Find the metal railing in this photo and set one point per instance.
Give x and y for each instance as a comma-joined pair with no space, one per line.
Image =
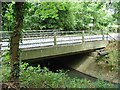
111,37
43,38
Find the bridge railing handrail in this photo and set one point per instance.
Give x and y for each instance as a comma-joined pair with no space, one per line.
33,33
6,34
111,37
55,37
43,33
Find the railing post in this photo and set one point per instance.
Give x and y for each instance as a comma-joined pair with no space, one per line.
102,34
55,39
82,36
0,36
107,36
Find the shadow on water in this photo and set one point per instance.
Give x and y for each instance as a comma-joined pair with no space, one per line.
62,62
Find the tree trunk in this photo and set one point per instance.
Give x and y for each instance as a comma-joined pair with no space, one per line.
14,45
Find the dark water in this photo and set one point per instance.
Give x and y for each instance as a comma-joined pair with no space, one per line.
61,63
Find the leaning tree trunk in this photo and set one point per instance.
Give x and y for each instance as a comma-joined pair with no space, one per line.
14,45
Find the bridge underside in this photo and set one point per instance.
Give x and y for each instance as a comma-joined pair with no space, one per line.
33,53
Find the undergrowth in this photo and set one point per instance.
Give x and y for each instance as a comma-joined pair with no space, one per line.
36,77
113,56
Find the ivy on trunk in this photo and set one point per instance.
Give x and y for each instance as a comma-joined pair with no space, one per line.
14,45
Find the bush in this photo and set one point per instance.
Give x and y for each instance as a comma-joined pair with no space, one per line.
4,71
35,77
113,59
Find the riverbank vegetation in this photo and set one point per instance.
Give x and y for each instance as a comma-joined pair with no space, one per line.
37,77
112,58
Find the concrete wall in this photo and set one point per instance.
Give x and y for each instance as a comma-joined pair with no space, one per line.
33,53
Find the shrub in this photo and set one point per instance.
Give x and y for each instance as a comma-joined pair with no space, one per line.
113,59
43,78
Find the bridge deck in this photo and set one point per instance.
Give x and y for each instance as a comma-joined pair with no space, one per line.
32,53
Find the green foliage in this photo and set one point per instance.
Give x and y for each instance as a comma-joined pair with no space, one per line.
49,15
95,13
5,66
113,59
113,56
66,17
101,84
116,15
8,17
43,78
5,57
36,77
4,71
60,15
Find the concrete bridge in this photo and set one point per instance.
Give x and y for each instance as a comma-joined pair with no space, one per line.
47,52
57,44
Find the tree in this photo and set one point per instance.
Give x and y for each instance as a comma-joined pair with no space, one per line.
116,15
61,15
8,16
116,8
49,15
14,44
94,12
